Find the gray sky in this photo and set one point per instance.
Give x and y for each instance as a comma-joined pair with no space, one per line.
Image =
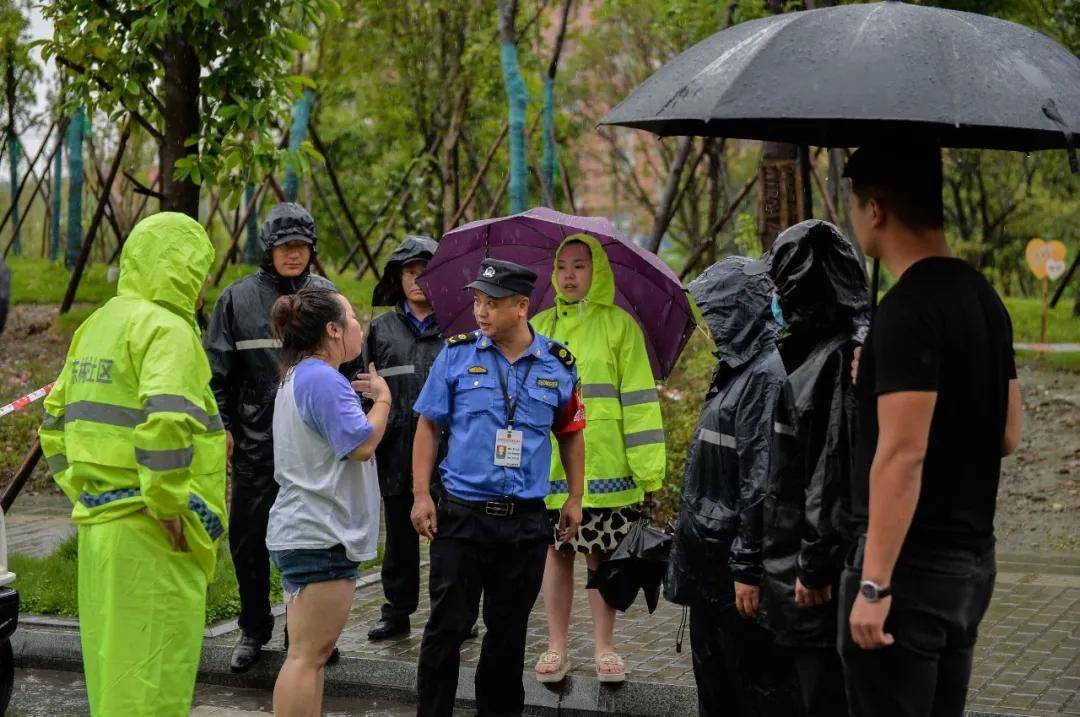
39,29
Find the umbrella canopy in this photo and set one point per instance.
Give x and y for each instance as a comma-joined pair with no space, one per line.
859,74
638,563
645,287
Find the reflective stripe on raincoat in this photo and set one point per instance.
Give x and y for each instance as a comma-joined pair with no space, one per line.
625,455
131,422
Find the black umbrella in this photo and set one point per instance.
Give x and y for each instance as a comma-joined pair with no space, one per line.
637,564
861,74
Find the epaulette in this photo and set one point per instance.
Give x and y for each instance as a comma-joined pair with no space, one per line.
562,353
463,338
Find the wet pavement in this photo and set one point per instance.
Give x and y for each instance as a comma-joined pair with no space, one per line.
38,523
1027,660
51,693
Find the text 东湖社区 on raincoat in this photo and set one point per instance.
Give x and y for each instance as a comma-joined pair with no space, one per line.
133,437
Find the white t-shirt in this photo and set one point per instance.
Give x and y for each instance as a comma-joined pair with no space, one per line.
326,498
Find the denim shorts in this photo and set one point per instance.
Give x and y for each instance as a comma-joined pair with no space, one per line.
301,567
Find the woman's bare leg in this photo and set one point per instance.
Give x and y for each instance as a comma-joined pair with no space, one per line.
315,619
603,615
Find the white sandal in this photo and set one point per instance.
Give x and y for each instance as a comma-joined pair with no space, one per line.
609,660
552,658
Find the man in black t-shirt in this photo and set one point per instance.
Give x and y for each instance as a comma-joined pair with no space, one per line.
939,405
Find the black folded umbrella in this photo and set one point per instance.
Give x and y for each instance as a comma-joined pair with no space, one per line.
637,564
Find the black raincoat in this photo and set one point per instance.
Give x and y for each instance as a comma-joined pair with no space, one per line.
403,356
243,358
822,287
718,536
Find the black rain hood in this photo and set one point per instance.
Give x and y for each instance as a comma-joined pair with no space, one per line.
287,221
820,280
416,247
734,296
718,536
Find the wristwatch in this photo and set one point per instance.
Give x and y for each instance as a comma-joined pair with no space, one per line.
872,592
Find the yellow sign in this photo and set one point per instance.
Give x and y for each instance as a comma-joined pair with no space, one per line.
1046,258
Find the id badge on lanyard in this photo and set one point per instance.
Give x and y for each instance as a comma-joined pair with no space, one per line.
508,442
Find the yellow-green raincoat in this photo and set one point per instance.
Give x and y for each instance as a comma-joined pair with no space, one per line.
624,433
132,435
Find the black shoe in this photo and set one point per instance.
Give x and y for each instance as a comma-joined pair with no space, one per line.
474,631
389,627
245,654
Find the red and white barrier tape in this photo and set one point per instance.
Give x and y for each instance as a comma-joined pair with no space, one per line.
20,403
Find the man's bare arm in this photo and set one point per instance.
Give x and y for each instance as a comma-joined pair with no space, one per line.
896,477
1014,420
425,446
895,481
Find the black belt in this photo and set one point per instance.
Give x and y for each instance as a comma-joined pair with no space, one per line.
499,508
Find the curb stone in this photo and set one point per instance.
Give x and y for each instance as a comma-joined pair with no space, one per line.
58,648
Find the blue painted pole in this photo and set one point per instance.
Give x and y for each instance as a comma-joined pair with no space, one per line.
301,114
75,186
518,97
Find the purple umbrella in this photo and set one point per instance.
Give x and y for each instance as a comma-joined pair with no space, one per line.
644,285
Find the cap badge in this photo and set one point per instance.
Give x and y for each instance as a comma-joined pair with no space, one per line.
489,272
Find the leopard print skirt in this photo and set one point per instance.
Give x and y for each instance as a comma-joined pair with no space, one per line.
601,530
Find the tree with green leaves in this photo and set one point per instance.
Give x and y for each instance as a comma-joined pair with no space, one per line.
207,80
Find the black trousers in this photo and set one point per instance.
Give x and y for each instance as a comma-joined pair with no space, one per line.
502,558
253,494
821,681
401,559
939,598
737,668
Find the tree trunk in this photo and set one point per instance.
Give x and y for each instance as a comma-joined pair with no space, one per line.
301,114
518,97
181,89
448,164
57,189
781,199
10,85
75,186
666,208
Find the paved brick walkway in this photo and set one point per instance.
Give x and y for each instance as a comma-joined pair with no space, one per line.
1027,661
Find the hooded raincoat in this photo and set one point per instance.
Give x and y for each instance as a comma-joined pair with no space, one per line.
402,355
132,435
719,531
243,356
625,454
244,361
823,295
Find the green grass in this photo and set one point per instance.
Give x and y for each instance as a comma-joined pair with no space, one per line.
49,585
1061,325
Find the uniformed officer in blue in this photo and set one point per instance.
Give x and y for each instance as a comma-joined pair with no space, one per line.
502,391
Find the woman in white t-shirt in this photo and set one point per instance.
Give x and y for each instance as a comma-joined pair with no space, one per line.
325,521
